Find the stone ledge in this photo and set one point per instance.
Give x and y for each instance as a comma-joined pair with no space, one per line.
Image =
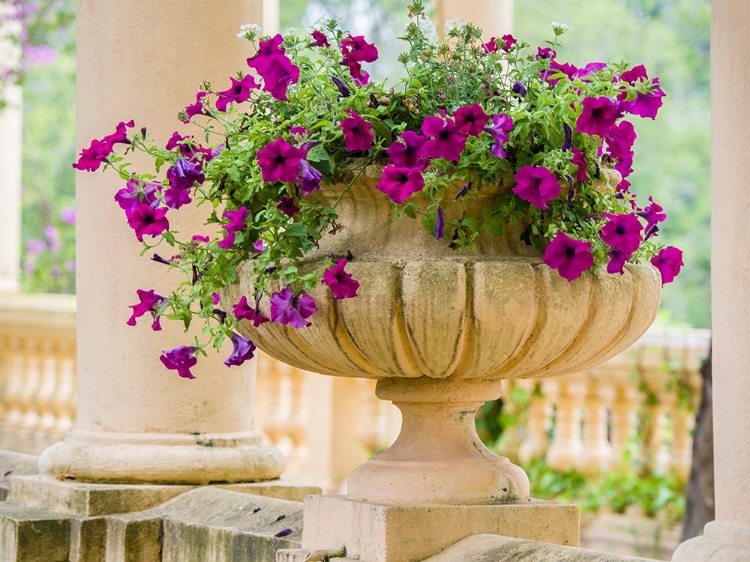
12,464
378,532
493,548
81,498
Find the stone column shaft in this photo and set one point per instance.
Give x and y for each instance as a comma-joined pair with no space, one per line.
137,421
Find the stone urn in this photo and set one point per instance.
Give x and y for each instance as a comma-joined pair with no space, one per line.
439,330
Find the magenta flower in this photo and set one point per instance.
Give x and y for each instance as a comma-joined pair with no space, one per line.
653,214
410,152
568,256
290,309
309,178
620,139
616,262
99,150
238,92
242,350
149,302
471,119
195,108
598,116
178,141
259,246
279,161
182,176
545,53
508,42
320,39
287,206
579,159
135,192
274,67
490,46
243,311
446,141
145,220
341,283
180,359
53,237
357,132
645,104
668,262
236,223
400,183
501,126
569,70
589,69
537,185
622,232
356,48
35,246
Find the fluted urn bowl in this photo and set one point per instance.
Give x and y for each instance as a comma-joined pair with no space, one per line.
439,330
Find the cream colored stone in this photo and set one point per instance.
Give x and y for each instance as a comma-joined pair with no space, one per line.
376,532
136,420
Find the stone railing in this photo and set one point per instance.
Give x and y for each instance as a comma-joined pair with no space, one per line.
37,370
589,420
326,426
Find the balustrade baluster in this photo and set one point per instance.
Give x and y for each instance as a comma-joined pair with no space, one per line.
597,451
566,448
537,441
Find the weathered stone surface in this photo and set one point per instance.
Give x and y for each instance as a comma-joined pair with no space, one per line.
134,537
81,498
33,535
494,548
12,464
378,532
279,489
222,526
88,537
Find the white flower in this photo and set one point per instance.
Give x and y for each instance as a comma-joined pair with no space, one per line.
455,23
290,31
428,30
252,28
559,28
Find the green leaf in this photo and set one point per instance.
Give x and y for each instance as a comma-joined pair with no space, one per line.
317,154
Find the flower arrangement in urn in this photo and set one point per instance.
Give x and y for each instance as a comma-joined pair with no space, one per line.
551,143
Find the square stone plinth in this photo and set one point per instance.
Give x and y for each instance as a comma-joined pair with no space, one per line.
81,498
378,532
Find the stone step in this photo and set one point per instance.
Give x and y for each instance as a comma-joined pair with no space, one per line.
34,535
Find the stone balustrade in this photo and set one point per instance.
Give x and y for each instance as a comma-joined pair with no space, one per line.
326,426
589,420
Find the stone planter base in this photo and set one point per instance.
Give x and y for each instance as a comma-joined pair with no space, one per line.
378,532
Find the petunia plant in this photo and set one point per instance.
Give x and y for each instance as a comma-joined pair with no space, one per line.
470,115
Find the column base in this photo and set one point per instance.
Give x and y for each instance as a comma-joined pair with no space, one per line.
379,532
160,458
722,542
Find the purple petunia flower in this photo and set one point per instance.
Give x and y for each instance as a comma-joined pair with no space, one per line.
668,262
243,350
498,130
35,246
238,92
357,132
568,256
195,108
259,246
341,283
598,116
410,152
182,176
320,39
446,141
356,50
579,159
236,223
568,143
134,192
622,232
99,150
274,67
343,90
180,359
400,183
439,224
537,185
242,311
53,237
519,88
309,178
279,161
616,262
149,302
490,46
644,104
653,214
471,119
290,309
287,206
145,220
620,139
508,42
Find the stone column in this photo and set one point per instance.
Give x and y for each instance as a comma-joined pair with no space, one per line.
10,164
495,17
728,538
138,422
